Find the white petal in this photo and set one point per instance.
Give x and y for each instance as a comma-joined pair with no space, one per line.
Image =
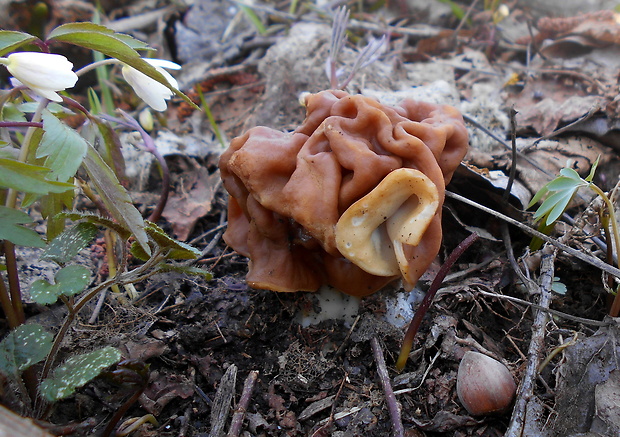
163,63
48,94
152,92
42,70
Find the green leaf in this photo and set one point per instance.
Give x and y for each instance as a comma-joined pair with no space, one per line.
560,206
178,249
570,173
563,183
29,178
547,205
593,169
51,205
110,146
11,40
115,45
54,108
67,32
557,286
63,148
457,11
115,197
10,229
69,281
138,253
77,371
253,18
21,348
186,270
538,196
12,112
68,244
122,231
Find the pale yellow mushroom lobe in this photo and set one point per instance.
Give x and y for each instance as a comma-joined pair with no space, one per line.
372,231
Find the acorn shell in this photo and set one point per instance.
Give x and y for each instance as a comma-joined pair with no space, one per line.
484,385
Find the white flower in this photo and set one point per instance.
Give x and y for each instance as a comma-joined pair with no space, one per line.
152,92
43,73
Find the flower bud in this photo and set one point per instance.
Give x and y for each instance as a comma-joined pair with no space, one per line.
43,73
152,92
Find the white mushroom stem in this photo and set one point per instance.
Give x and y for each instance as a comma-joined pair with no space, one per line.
372,232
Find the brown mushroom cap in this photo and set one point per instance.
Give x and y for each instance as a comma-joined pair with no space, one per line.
290,190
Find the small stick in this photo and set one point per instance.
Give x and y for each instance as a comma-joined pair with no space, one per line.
324,430
221,403
390,397
537,343
242,406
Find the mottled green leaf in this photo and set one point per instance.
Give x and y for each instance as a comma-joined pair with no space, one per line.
51,205
11,40
139,253
77,371
115,197
122,231
29,178
11,229
62,147
186,270
177,249
21,348
68,244
69,281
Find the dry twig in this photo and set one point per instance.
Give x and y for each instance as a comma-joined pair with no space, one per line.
242,406
390,397
537,342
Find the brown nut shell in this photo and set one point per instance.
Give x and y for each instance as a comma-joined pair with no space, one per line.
484,385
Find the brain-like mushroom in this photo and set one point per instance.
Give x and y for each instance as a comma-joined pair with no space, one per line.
352,198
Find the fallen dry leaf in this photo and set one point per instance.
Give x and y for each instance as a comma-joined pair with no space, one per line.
185,208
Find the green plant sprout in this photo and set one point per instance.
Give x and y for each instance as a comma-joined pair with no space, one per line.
558,194
40,156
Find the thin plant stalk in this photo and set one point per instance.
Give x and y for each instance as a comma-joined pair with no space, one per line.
428,299
7,305
14,286
614,311
207,110
11,199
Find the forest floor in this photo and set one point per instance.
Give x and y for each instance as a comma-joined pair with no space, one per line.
317,376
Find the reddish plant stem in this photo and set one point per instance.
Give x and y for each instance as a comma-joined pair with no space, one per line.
14,286
9,124
428,299
7,305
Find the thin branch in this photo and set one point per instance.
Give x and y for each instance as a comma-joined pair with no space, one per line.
537,342
242,406
556,313
390,397
574,252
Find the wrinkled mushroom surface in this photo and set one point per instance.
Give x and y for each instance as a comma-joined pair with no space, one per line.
325,204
